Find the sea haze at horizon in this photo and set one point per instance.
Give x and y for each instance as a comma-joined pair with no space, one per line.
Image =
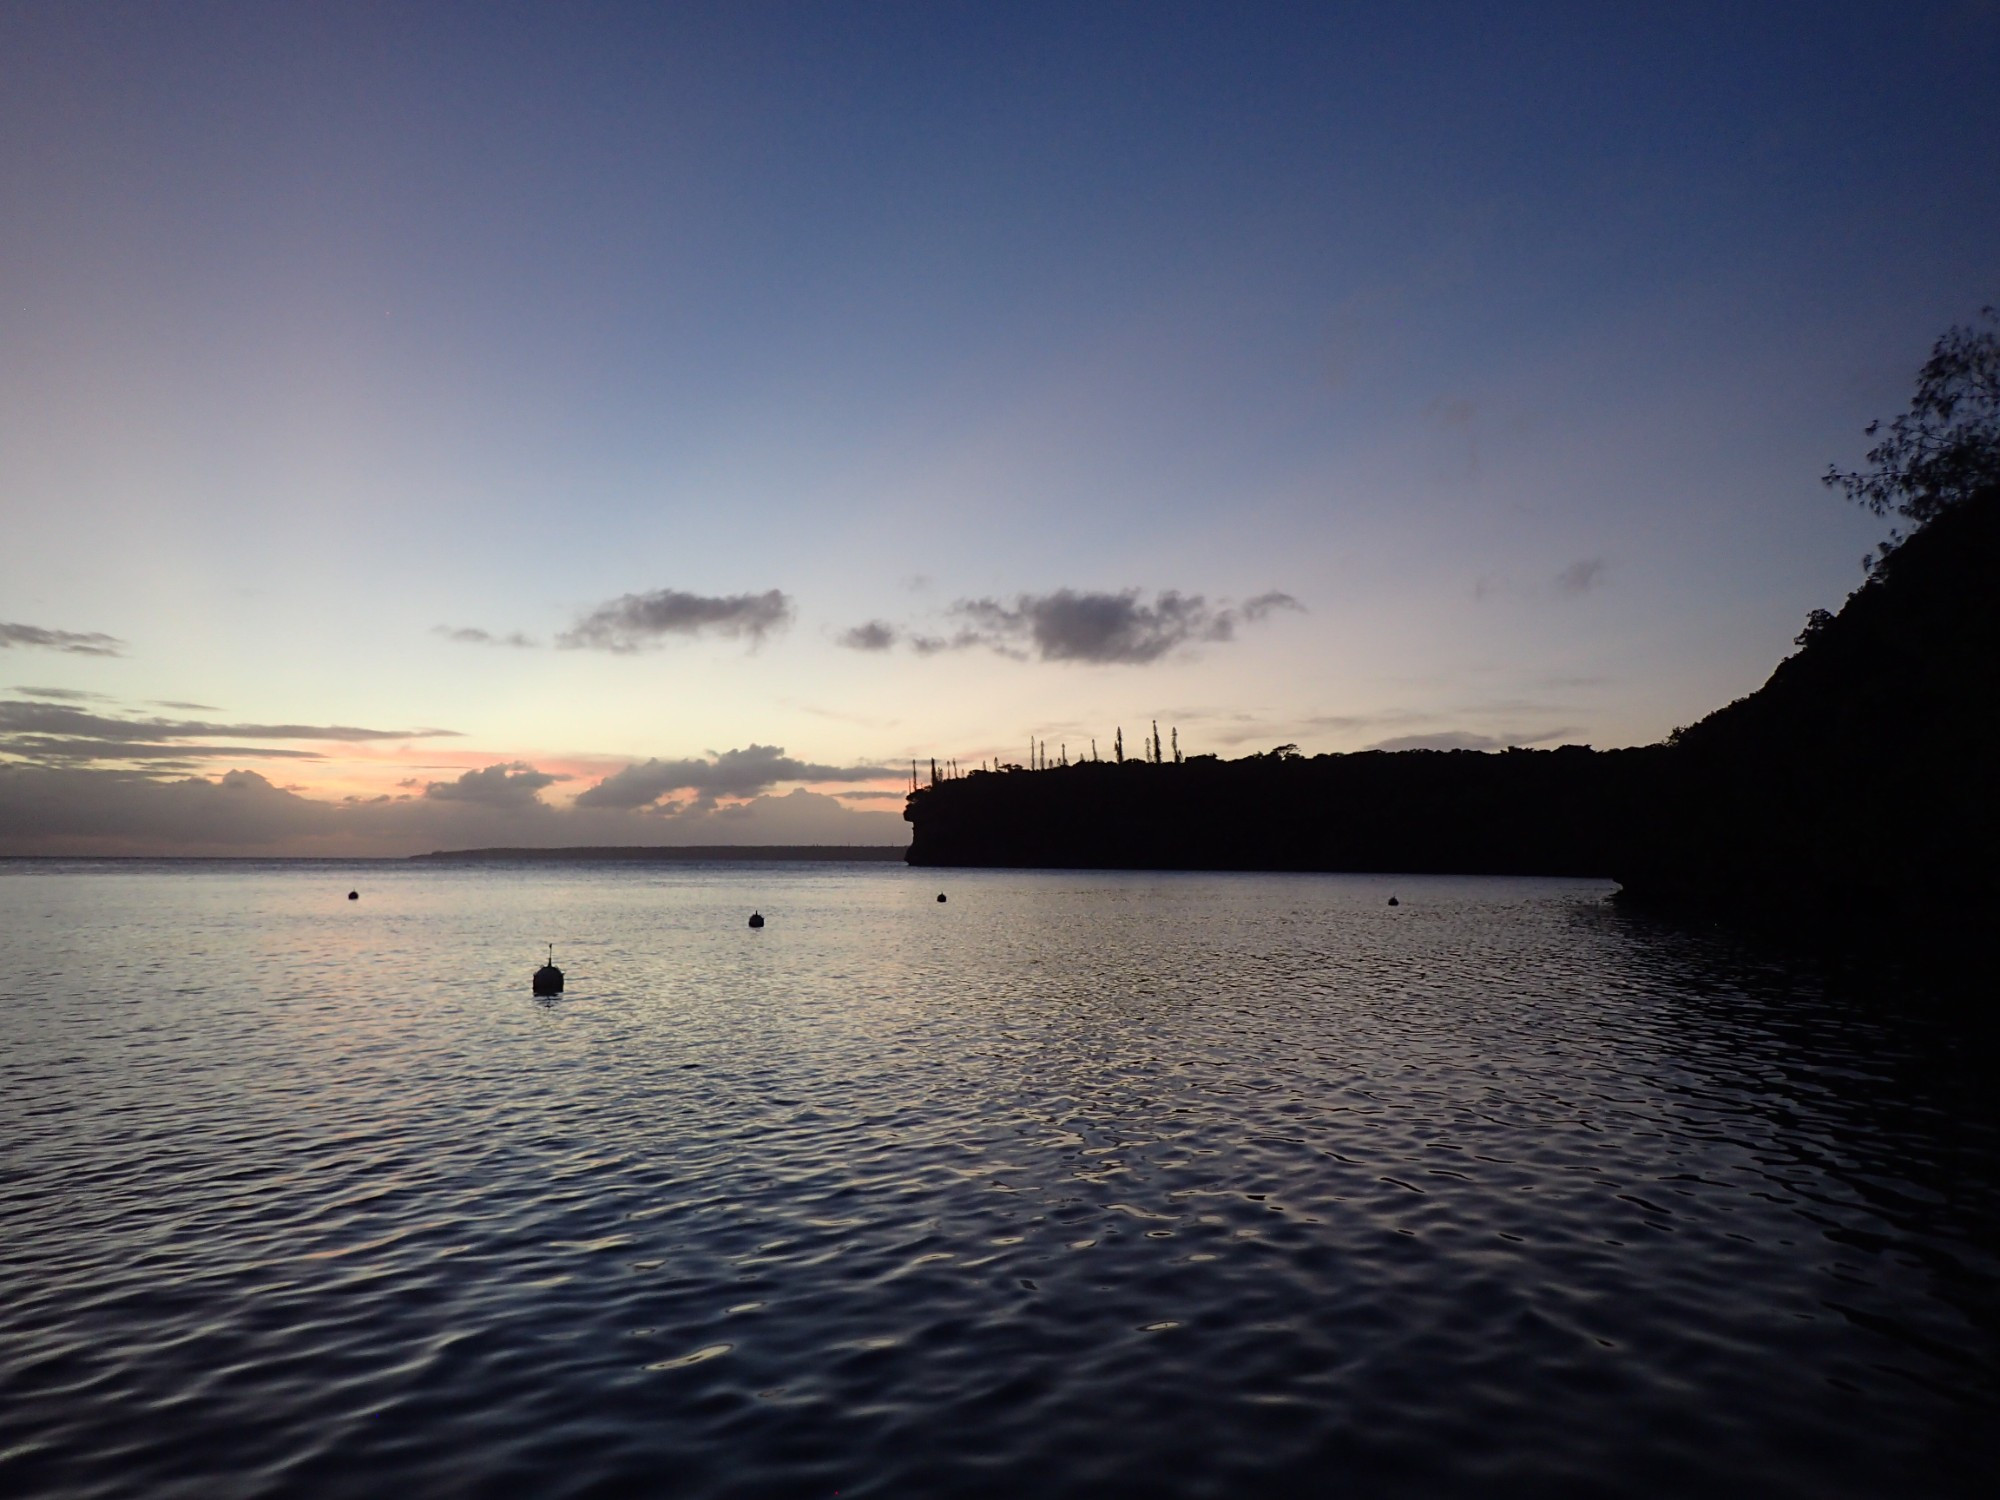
1080,1183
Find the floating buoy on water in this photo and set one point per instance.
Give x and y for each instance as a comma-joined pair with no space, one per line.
940,895
354,895
548,978
756,919
1394,902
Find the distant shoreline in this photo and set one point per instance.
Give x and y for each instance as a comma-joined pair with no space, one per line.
684,853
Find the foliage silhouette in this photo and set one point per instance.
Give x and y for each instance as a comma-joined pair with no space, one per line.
1946,447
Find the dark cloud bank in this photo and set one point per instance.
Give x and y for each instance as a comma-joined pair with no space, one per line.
1072,625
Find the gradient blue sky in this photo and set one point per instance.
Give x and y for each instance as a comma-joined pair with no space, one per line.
1506,342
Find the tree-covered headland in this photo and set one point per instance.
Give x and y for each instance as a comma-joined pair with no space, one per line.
1852,795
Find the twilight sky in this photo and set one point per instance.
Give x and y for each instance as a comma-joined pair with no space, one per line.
427,425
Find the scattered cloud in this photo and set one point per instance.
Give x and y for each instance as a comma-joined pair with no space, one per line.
733,773
634,622
16,716
55,732
1071,626
64,695
1267,604
77,642
1573,582
81,750
186,708
930,645
1079,625
876,635
472,635
514,784
1580,577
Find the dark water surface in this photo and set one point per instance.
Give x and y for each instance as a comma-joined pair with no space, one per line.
1077,1185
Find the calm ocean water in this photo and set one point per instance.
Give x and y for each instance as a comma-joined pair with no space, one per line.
1075,1185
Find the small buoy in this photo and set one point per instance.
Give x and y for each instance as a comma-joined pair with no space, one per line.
1394,902
548,978
940,895
354,895
756,919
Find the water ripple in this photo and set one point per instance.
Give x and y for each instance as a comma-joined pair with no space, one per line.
1080,1185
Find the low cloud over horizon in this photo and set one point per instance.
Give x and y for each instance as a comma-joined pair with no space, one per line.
83,811
1465,739
732,773
1071,625
509,784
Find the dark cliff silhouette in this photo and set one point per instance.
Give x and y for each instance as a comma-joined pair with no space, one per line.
1853,795
1523,812
1850,798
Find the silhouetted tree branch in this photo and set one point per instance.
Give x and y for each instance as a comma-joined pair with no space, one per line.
1947,445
